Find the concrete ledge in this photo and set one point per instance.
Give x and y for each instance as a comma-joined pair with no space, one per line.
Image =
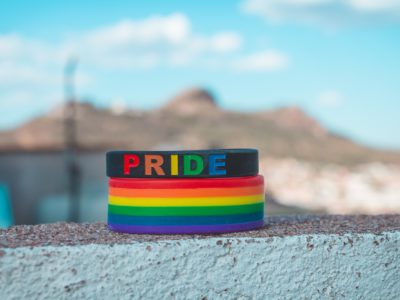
327,257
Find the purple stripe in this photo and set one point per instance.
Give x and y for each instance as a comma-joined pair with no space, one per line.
186,229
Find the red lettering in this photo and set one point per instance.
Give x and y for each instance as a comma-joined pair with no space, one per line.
130,161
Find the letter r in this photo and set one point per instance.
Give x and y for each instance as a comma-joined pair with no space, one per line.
153,162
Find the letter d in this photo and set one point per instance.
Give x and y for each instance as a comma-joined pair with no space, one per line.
187,165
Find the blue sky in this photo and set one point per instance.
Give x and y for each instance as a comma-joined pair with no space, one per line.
339,60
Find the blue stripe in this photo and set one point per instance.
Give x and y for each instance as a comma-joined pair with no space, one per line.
183,220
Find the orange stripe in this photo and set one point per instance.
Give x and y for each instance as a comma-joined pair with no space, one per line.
176,193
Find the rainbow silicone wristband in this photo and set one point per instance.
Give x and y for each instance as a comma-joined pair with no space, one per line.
181,164
172,206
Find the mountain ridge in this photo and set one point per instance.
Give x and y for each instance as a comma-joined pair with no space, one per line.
193,120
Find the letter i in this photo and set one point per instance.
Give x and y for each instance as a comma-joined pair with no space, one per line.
174,164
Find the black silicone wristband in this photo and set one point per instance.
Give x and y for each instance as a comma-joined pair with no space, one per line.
182,164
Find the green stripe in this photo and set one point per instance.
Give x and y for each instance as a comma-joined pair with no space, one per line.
184,210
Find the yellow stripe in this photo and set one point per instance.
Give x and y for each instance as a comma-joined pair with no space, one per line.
208,201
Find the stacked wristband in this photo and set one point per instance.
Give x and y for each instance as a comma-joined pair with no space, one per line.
213,191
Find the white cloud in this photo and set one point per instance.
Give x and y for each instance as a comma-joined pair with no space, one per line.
16,98
388,6
14,47
15,74
330,99
26,62
325,12
151,42
201,50
170,30
30,77
129,44
16,105
225,42
35,66
262,61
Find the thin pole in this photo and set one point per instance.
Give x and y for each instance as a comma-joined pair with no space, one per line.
72,166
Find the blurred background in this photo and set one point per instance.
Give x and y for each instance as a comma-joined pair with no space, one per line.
314,85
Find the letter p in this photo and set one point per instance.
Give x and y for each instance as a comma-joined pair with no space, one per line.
130,161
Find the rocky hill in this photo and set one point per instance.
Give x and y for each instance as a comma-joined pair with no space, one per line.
193,120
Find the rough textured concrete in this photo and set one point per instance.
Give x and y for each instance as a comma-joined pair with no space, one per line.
300,258
61,234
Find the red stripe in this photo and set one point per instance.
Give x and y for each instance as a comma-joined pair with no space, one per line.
186,183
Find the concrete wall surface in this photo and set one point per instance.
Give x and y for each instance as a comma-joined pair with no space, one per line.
312,265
